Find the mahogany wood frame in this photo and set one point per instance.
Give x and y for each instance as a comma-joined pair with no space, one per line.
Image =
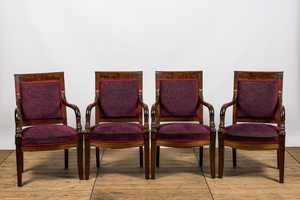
117,145
19,78
280,121
156,119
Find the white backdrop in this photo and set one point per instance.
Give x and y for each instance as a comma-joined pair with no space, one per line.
83,36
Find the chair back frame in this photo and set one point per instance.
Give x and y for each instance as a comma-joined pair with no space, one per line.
22,78
159,75
248,75
138,75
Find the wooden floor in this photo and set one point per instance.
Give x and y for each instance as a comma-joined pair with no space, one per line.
178,177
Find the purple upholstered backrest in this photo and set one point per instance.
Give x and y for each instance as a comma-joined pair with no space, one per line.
118,98
257,98
41,101
179,97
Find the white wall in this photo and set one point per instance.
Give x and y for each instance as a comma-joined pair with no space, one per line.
216,36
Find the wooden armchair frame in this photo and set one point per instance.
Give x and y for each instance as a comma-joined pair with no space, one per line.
138,75
280,121
57,76
156,120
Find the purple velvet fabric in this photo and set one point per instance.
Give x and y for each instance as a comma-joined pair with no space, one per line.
182,132
49,134
119,98
252,133
41,100
257,99
179,98
117,132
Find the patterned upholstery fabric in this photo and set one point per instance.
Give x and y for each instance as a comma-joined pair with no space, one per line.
179,98
117,132
182,132
257,99
41,100
252,133
118,98
41,135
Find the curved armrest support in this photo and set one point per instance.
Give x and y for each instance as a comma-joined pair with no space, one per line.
146,112
17,116
76,110
211,112
226,105
74,107
18,111
281,115
18,135
88,113
281,108
153,115
223,110
17,121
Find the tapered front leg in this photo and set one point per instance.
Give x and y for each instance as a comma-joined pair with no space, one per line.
22,160
278,158
87,159
234,157
201,156
141,156
80,159
157,155
212,152
146,152
221,156
19,158
66,158
97,157
153,157
281,158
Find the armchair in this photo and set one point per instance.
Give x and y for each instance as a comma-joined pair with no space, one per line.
118,116
179,100
41,118
257,100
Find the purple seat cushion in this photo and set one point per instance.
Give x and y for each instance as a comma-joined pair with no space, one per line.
117,132
182,132
179,98
257,99
252,133
119,98
41,100
49,134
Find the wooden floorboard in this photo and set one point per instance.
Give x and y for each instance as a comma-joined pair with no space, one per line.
294,152
44,177
255,176
178,177
4,154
